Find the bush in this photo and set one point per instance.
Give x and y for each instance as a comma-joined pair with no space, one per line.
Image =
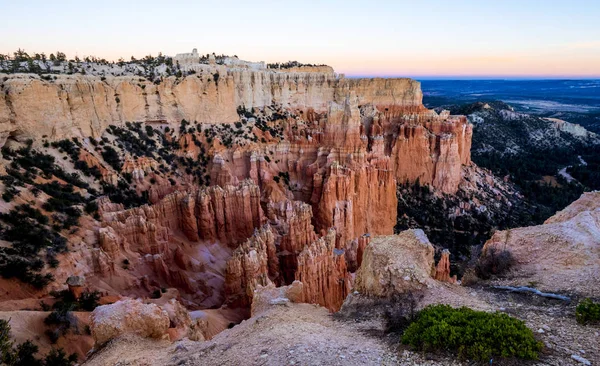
494,263
587,312
400,313
60,322
58,357
471,334
89,300
111,156
5,343
24,353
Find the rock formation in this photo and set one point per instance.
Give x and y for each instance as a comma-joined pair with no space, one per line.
323,272
396,264
252,178
562,255
169,239
249,267
442,269
181,324
128,317
293,222
76,285
70,104
265,297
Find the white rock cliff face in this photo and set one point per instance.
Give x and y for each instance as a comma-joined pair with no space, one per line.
84,105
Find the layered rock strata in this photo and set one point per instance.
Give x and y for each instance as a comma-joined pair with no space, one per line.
249,266
71,104
300,206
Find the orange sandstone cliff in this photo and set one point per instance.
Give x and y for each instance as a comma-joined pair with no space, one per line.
298,170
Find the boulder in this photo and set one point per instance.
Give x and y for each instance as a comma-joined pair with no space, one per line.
181,323
128,317
267,296
76,285
396,264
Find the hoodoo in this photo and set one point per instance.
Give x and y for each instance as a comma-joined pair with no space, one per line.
229,177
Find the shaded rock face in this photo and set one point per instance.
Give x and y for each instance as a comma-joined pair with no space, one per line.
561,255
292,220
323,272
396,264
249,266
128,317
172,243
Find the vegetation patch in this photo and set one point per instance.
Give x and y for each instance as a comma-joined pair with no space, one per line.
24,354
494,263
587,311
471,334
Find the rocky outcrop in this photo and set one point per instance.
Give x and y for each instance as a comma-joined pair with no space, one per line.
562,255
353,200
323,272
266,297
76,286
128,317
182,241
181,324
249,267
228,215
292,220
442,270
396,264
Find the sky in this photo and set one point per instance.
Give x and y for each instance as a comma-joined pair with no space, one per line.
427,39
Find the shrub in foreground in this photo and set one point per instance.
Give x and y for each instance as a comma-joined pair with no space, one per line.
587,312
471,334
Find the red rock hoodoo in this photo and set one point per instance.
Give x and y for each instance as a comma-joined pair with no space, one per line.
297,201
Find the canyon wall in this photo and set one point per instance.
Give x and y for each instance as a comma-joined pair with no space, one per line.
296,198
84,105
182,241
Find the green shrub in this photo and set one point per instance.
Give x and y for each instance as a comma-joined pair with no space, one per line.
24,353
587,312
471,334
89,300
5,342
58,357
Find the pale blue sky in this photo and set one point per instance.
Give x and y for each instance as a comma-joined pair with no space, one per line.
412,38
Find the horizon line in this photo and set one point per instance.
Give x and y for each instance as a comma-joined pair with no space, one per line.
478,77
